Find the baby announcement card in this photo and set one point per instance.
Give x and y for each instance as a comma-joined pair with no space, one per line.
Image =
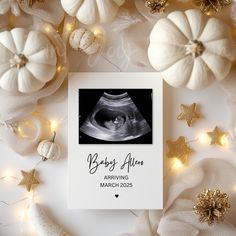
115,141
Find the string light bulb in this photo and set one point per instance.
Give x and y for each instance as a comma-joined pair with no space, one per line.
59,68
204,138
54,125
224,141
177,164
21,213
47,29
69,27
8,175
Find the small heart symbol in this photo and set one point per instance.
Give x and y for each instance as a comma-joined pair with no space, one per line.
116,195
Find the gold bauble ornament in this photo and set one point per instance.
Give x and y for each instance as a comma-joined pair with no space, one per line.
208,5
212,206
30,3
156,5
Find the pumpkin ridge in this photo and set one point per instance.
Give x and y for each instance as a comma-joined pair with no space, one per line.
169,65
7,67
97,10
189,26
170,68
38,77
51,63
177,28
202,22
6,46
208,67
180,29
216,53
76,6
7,49
209,81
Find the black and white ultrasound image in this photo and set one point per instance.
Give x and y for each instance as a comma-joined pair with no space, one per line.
115,116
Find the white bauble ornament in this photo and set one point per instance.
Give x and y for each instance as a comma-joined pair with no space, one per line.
48,149
7,5
190,49
28,60
43,225
85,40
92,11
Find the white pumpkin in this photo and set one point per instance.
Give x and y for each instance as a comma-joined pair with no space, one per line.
191,50
28,60
84,40
49,150
7,5
92,11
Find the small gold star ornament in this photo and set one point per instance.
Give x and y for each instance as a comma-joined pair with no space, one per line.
216,136
179,149
212,206
189,113
28,179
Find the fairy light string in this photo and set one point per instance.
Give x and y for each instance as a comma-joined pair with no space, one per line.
10,176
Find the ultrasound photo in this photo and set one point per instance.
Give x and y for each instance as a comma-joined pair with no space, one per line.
115,116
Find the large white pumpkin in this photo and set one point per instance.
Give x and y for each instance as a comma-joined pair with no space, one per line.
92,11
190,49
28,60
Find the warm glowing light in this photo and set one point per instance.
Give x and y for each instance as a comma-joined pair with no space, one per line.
224,141
21,213
31,196
209,13
69,27
47,29
59,68
8,175
54,125
204,138
21,132
234,188
177,164
98,32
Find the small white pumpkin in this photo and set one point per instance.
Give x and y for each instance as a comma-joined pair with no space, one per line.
92,11
191,50
85,40
48,149
28,60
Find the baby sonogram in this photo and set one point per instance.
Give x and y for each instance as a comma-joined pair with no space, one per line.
115,118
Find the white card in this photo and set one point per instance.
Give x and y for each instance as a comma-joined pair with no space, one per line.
115,141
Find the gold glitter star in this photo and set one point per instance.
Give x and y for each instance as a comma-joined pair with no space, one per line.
179,149
29,179
188,113
216,136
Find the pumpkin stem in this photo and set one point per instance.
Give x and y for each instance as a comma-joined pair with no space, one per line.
195,47
54,136
18,61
